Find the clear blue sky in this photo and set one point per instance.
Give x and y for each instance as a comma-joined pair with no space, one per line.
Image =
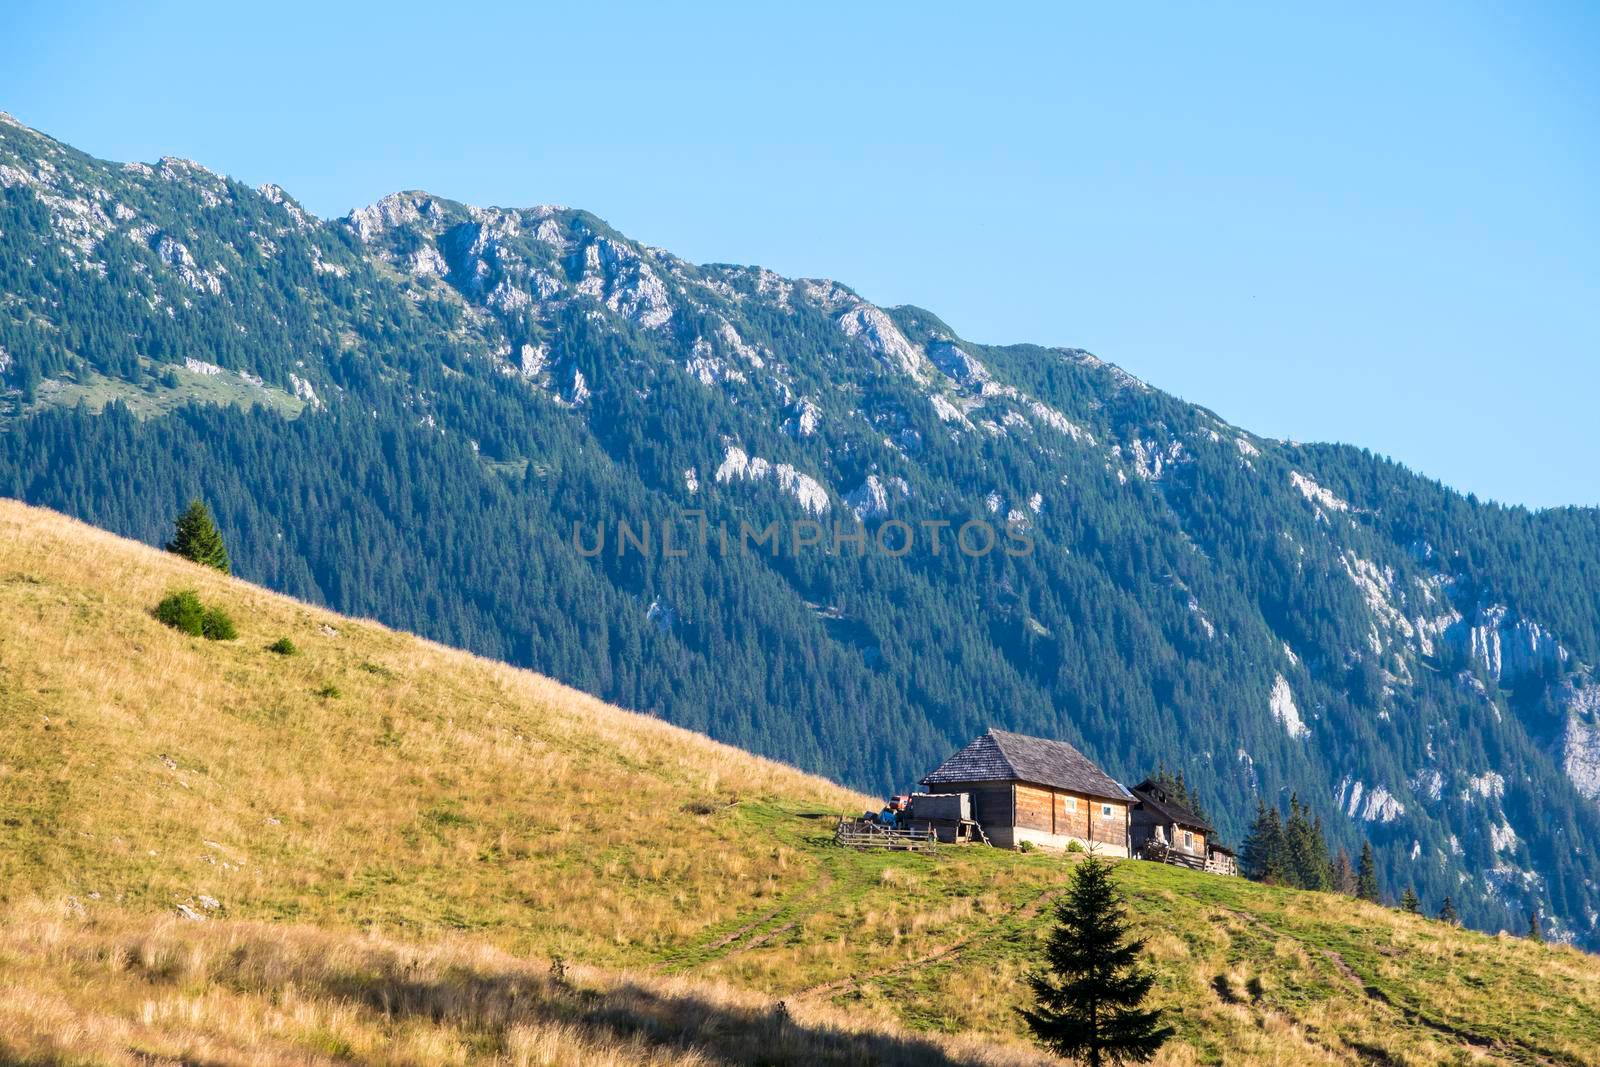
1378,226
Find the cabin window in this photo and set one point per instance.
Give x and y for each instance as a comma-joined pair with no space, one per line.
1072,804
1188,839
1105,810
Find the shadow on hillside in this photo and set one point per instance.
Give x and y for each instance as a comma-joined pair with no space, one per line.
493,1003
10,1057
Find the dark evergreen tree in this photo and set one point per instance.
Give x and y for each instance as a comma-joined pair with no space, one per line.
1535,931
1344,874
1266,851
1367,887
1089,998
197,538
1308,851
1409,901
1447,912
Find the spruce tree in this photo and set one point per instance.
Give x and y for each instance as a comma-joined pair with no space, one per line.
1344,874
1535,931
1266,850
197,538
1367,875
1088,1000
1447,912
1308,852
1409,901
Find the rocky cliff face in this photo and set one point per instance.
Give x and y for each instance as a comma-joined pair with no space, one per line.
1270,618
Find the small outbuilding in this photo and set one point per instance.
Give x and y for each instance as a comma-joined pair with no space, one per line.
1037,791
1163,829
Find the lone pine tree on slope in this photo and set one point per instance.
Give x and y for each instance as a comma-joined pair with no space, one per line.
197,538
1367,875
1088,1000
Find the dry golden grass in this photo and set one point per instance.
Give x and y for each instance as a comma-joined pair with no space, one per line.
435,789
173,991
387,840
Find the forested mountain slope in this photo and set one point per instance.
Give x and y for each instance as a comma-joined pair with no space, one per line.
406,412
378,850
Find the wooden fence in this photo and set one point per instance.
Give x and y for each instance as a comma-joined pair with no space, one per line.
1218,863
857,833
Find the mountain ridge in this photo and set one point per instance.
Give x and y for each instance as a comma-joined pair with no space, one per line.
412,409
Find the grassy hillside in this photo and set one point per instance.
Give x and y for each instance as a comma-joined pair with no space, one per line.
402,854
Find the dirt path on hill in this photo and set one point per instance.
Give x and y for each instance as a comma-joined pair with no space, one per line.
932,956
735,941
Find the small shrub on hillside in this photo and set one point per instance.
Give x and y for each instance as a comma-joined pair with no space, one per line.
1025,846
218,625
182,611
1074,846
283,647
329,692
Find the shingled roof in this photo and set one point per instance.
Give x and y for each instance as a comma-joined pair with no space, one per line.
1153,797
1002,756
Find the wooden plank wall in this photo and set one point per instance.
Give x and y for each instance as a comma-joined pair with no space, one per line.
991,805
1049,810
1035,809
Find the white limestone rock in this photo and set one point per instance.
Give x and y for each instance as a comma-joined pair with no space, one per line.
274,194
1315,494
1428,783
874,497
1370,805
175,254
804,419
428,261
1151,460
322,266
1119,378
393,211
947,411
1489,786
736,345
1281,703
304,390
1580,743
616,275
1506,646
956,363
739,466
578,395
532,360
1379,589
707,368
1058,422
875,331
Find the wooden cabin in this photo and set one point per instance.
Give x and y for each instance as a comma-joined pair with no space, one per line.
1033,790
1163,829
